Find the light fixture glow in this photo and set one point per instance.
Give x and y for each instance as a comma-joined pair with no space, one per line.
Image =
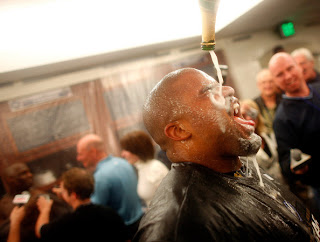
41,32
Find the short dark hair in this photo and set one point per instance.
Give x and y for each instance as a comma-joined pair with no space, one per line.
78,180
139,143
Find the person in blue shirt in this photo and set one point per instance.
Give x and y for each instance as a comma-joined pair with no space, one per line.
115,181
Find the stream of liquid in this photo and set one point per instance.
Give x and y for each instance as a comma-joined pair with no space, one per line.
216,65
221,100
255,163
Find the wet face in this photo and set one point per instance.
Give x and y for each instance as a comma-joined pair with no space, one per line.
217,126
306,65
287,74
130,157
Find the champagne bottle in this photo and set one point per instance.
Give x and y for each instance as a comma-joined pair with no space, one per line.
208,10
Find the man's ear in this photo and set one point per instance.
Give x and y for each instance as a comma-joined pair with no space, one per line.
176,131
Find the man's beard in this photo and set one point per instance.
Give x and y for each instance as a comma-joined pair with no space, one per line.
250,146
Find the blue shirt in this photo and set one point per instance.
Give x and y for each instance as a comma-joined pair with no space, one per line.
116,187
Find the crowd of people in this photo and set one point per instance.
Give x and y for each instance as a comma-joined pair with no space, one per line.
209,192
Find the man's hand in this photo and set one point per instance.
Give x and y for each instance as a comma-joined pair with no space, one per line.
17,214
44,205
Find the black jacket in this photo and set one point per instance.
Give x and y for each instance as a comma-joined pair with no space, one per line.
194,203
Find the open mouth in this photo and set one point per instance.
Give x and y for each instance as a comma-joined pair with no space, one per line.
237,117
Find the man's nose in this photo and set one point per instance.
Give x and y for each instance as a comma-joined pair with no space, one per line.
227,91
287,75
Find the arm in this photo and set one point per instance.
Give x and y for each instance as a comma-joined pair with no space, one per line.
102,190
44,207
16,217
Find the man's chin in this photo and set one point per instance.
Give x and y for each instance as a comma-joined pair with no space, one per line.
250,146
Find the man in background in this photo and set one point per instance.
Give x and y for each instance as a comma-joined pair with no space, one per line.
17,178
115,181
305,59
87,222
269,98
297,122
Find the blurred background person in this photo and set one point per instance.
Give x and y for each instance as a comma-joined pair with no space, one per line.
115,181
17,178
267,155
24,221
305,59
268,100
278,48
138,149
296,126
88,222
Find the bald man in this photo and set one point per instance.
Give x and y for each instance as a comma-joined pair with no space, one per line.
210,194
269,98
297,121
17,178
115,181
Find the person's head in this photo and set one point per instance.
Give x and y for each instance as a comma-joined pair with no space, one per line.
17,178
277,49
250,111
76,184
90,151
287,74
183,116
305,59
137,145
265,83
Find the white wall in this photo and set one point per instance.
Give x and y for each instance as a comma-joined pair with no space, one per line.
246,57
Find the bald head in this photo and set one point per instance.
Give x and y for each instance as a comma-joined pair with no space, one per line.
287,74
194,119
90,150
91,140
18,178
165,103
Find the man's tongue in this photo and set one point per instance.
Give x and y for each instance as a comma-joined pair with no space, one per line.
244,121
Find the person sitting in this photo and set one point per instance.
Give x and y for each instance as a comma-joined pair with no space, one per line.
305,59
88,222
267,155
207,195
138,149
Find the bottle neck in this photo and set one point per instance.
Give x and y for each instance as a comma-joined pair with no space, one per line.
208,46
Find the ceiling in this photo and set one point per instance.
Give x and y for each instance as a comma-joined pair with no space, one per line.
266,15
269,13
